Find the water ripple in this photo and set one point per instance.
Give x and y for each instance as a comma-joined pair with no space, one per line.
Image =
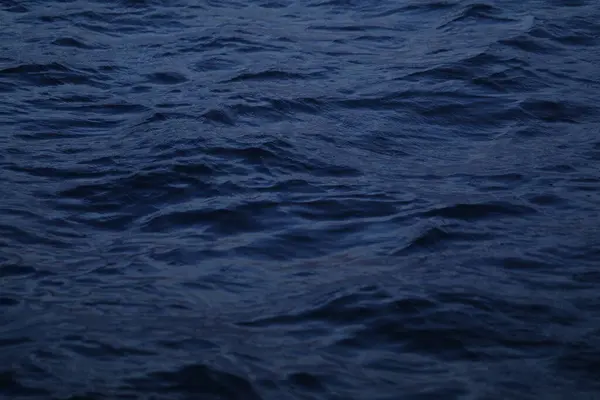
299,199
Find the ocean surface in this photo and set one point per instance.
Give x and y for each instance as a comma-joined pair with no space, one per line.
299,199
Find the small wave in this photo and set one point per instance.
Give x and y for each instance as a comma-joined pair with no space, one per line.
242,218
239,43
71,42
64,172
442,237
479,12
346,308
339,209
418,7
480,210
35,68
11,385
581,357
216,63
196,380
31,236
268,75
14,7
52,74
15,269
546,200
559,111
96,348
276,109
136,186
93,106
307,381
530,44
166,78
8,301
162,116
219,116
523,262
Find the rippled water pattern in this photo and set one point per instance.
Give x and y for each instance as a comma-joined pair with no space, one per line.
299,199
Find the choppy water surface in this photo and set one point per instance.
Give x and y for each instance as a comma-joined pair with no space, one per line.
299,199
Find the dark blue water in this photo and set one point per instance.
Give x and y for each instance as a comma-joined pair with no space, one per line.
299,199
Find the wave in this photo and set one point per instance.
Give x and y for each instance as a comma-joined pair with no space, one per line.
298,199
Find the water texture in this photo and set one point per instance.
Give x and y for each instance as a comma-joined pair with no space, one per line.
299,199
